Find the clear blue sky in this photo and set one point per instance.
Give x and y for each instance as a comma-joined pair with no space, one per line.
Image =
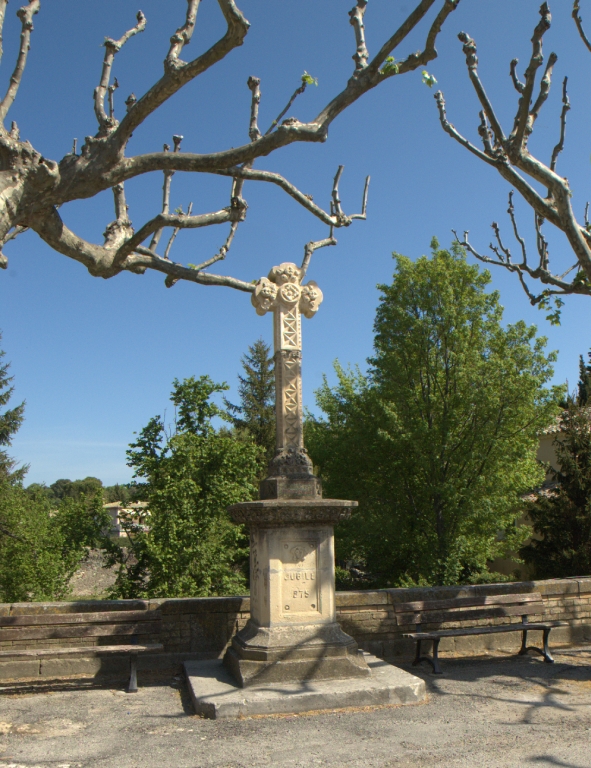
95,359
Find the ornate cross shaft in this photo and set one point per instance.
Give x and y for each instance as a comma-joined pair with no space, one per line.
283,294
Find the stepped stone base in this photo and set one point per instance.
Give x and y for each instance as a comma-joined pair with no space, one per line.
283,654
216,695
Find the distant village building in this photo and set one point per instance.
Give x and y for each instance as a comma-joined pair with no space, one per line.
129,518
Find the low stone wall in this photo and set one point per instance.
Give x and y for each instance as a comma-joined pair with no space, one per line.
203,627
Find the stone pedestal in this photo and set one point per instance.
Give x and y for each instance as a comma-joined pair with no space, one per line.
292,634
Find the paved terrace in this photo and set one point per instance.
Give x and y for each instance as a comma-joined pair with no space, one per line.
498,711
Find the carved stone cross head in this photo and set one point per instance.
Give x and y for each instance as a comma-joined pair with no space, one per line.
283,290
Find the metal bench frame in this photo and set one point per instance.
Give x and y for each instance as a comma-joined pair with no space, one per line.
461,609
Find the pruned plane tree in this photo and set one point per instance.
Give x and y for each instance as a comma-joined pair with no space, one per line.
539,183
34,187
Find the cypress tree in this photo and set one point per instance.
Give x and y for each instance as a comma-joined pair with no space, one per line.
10,421
255,414
561,515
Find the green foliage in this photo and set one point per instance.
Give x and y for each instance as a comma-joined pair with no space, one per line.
561,515
40,547
390,66
10,421
428,79
308,79
255,416
190,478
545,303
584,384
438,441
126,493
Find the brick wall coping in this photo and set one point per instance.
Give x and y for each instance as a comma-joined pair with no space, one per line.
574,586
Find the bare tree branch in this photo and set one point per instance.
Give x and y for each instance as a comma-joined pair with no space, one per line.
363,214
356,14
312,246
222,253
112,47
565,108
541,272
3,4
518,85
519,134
32,196
452,131
177,73
254,85
305,200
25,14
545,84
294,96
182,37
175,232
166,191
579,22
143,260
469,48
118,231
182,221
512,159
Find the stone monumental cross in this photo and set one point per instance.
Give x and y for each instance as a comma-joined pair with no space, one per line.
292,635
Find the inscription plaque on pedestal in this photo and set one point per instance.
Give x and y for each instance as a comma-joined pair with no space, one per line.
300,578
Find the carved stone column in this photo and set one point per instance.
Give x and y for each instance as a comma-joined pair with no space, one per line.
290,471
292,635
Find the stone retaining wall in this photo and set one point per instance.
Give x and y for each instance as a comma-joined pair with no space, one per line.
202,627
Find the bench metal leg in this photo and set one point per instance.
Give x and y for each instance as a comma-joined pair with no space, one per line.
433,661
132,687
544,651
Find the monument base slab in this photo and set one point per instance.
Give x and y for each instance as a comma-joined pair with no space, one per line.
216,695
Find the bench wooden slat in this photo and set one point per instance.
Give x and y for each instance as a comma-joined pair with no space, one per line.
94,650
78,630
483,630
499,611
105,617
461,602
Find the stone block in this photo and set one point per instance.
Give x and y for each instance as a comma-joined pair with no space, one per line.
584,585
19,668
556,587
191,605
359,598
79,667
79,606
215,694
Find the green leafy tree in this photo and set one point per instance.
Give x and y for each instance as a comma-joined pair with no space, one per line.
125,493
561,514
41,547
10,421
190,477
255,415
74,489
438,441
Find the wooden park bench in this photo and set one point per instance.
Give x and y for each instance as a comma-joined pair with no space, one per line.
437,612
130,625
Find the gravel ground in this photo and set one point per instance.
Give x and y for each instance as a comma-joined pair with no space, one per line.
480,713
